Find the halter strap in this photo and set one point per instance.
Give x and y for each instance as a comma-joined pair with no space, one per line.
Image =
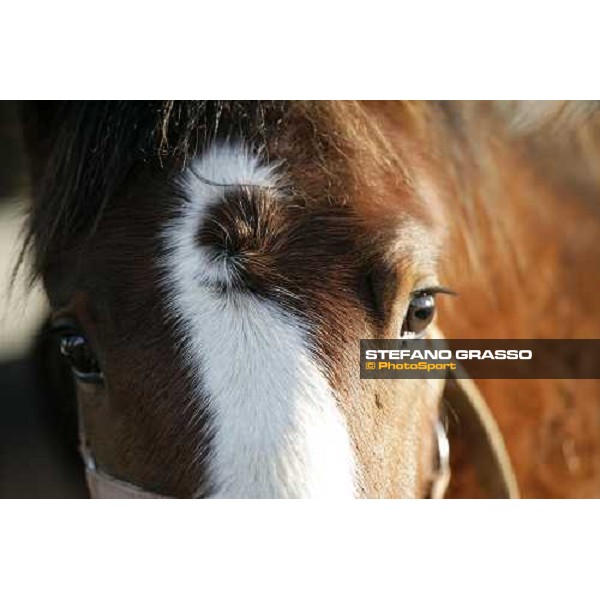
476,425
441,477
102,485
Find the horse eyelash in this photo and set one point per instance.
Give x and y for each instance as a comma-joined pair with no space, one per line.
62,329
435,289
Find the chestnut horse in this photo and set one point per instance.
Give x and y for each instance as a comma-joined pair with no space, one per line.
212,266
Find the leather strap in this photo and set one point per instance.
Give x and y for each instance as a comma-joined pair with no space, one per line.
441,477
481,434
102,485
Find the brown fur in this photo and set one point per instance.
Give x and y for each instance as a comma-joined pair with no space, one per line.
525,265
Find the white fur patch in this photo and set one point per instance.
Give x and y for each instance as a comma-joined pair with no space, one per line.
276,429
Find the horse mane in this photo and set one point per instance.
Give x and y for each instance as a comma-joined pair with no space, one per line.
82,152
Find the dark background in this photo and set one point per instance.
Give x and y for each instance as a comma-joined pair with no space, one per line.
37,458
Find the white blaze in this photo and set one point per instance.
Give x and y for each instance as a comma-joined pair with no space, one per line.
276,429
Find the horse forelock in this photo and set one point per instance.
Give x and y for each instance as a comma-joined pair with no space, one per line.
82,153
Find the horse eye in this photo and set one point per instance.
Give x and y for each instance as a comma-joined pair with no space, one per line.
76,349
421,311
